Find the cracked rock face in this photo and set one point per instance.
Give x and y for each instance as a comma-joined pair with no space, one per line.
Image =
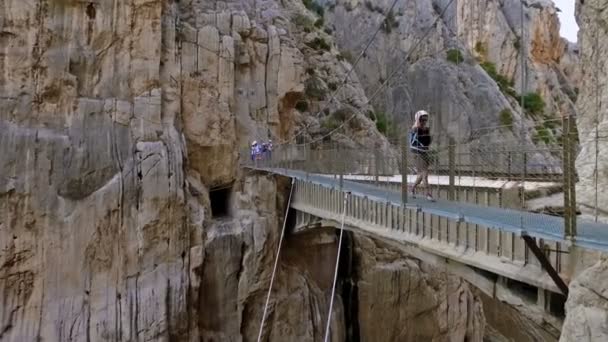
120,129
401,299
587,306
116,120
462,96
592,162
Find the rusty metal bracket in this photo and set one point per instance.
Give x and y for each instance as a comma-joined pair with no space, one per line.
542,258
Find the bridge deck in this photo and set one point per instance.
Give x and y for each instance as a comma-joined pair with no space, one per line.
589,234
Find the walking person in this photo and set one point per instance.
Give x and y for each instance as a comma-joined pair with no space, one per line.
253,148
269,150
419,141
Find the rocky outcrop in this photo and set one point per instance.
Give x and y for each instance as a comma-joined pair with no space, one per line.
587,306
592,121
123,212
468,90
402,299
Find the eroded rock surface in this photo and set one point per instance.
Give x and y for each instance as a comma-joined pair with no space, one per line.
592,162
587,306
121,124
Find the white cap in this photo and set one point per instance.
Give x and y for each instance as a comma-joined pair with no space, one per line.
421,113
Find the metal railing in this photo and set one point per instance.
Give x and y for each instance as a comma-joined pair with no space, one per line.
486,159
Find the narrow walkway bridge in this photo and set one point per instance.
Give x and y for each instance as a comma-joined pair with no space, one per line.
527,247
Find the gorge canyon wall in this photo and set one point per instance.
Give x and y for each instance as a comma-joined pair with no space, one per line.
124,214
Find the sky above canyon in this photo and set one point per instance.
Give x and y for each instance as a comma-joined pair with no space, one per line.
569,28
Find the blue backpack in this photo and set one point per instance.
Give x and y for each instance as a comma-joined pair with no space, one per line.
413,140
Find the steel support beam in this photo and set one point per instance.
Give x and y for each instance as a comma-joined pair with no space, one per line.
546,264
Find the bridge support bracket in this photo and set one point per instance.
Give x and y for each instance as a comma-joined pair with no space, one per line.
542,258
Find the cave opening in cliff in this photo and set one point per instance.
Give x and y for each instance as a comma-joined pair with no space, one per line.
220,201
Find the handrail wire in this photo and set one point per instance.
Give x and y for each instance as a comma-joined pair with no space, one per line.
276,261
383,84
343,83
333,288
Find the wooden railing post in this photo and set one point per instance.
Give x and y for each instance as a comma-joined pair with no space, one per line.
569,179
451,167
376,167
524,175
572,173
404,173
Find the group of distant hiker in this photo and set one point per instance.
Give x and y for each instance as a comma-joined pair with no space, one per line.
419,141
261,151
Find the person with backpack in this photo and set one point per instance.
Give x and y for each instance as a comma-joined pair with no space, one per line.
254,146
419,143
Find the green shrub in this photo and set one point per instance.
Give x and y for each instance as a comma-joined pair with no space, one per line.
302,106
303,21
328,30
330,123
389,22
319,44
312,5
314,89
348,56
455,56
342,114
506,117
503,82
319,22
480,48
550,123
511,92
543,134
332,86
534,103
382,123
490,68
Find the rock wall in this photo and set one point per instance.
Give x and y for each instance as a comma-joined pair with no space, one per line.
403,299
124,214
120,124
464,95
587,306
592,162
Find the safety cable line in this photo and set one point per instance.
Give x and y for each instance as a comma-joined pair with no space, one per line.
276,261
343,83
383,84
333,288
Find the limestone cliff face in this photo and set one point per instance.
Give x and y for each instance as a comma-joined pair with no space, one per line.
587,305
402,299
471,90
123,212
120,124
592,162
